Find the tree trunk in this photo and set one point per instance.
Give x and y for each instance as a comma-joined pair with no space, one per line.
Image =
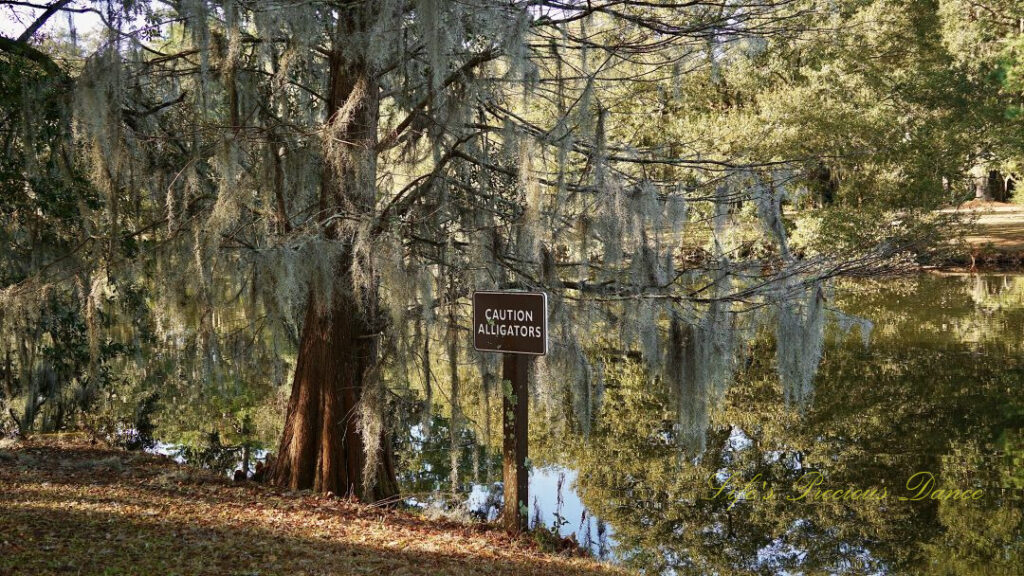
322,446
980,177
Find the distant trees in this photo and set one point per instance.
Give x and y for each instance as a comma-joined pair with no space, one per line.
986,42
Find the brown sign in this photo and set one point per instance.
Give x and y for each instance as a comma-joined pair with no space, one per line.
511,322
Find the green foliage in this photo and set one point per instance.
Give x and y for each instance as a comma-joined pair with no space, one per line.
140,435
190,190
879,415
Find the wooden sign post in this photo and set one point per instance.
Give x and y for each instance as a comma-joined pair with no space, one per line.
516,325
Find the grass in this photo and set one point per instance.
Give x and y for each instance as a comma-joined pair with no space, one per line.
72,509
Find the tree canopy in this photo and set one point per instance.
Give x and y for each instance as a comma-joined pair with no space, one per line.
212,198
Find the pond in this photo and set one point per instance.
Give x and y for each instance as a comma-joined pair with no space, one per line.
907,458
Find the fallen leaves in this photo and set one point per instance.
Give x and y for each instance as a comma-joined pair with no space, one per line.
73,510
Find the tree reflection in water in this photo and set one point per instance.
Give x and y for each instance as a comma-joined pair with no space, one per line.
939,390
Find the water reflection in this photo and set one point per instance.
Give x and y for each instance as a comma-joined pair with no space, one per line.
936,400
554,506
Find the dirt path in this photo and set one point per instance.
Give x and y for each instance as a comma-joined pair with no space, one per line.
999,226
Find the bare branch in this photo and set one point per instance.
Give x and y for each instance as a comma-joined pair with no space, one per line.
49,12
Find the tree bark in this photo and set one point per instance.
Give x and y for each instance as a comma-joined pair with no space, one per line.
322,447
980,177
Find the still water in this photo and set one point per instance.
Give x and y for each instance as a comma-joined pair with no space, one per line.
907,458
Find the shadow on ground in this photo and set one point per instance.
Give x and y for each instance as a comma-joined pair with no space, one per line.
61,518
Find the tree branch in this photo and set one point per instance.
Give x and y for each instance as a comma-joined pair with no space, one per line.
27,52
392,139
50,11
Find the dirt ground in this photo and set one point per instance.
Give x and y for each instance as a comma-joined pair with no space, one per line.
999,225
87,510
